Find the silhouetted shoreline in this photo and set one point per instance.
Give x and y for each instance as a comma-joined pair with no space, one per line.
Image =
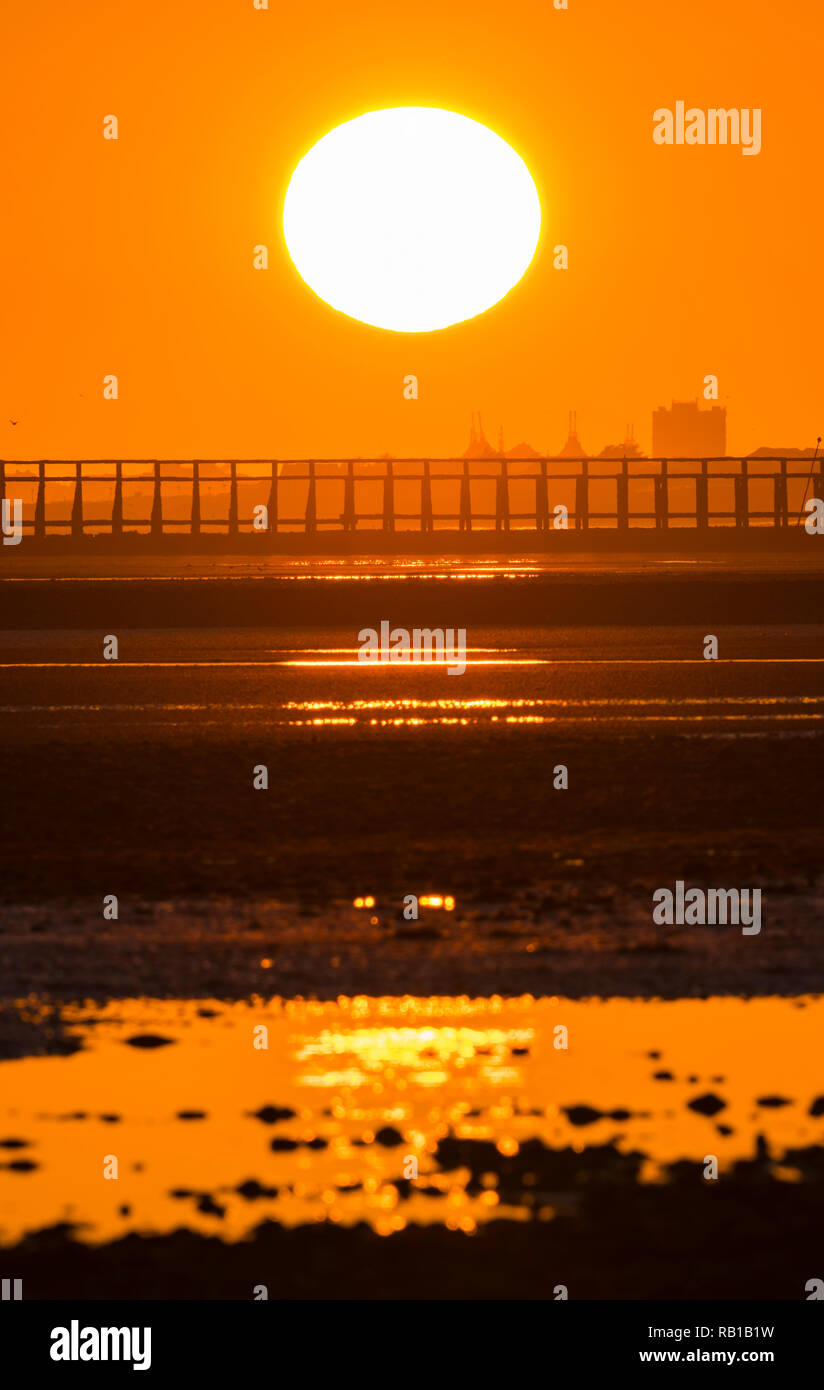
680,1240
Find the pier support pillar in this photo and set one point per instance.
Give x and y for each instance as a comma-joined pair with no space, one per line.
465,519
742,502
582,499
77,504
233,509
157,503
662,498
622,502
780,505
389,499
349,518
272,504
311,519
502,498
40,504
702,498
117,500
195,498
542,500
427,523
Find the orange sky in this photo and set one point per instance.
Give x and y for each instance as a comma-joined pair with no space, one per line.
135,256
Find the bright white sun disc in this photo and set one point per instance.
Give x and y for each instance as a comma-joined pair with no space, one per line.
412,218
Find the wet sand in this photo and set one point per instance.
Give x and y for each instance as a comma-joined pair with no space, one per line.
555,940
451,593
136,779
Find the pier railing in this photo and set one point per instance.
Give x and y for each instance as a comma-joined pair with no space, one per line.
80,496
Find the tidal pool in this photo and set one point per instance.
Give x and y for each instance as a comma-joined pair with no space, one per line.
221,1115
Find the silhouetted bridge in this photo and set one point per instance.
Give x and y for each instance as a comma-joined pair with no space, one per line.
325,504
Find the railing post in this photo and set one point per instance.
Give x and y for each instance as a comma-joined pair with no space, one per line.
465,519
702,497
272,505
542,500
195,497
40,504
622,499
77,504
502,498
582,499
780,504
389,498
157,503
117,500
427,523
311,519
661,499
233,499
742,503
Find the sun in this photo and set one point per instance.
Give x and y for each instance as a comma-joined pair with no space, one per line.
411,218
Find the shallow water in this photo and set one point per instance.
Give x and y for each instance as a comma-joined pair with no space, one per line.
628,679
501,1121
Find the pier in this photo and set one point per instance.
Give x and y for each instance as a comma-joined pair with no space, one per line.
394,505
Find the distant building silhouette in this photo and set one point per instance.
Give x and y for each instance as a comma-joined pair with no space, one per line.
479,446
573,449
522,451
686,430
769,451
628,450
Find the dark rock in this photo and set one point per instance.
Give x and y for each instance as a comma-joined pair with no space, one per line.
253,1190
708,1104
585,1115
209,1207
582,1115
272,1114
389,1137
